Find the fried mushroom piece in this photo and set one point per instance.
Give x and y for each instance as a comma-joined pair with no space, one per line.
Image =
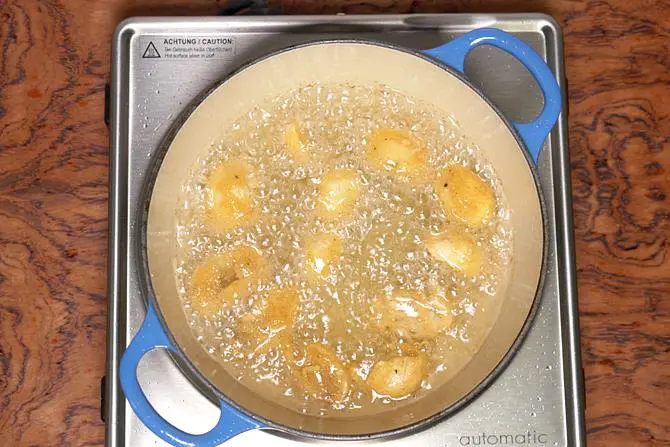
409,316
456,248
398,377
229,196
465,196
396,151
220,279
321,251
271,327
278,318
323,374
338,191
295,142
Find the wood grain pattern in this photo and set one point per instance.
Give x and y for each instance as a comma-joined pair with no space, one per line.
54,61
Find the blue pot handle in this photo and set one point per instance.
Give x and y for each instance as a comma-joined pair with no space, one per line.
152,336
535,132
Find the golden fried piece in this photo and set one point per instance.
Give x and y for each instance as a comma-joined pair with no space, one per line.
229,195
412,317
465,195
396,151
296,142
324,374
458,249
322,250
281,308
223,278
338,191
247,329
398,376
276,321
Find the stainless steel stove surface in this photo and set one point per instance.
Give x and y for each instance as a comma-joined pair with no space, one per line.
161,65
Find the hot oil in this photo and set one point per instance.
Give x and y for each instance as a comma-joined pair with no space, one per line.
382,239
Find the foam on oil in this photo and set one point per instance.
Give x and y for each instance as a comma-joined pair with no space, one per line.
382,241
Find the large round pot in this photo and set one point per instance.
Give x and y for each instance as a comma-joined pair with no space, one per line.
434,76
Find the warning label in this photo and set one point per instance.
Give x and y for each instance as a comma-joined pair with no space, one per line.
151,52
183,47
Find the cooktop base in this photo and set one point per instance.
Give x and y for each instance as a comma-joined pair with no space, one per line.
160,65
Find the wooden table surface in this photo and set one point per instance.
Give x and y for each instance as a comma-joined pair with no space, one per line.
54,150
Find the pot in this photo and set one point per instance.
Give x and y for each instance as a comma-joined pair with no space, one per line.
434,76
